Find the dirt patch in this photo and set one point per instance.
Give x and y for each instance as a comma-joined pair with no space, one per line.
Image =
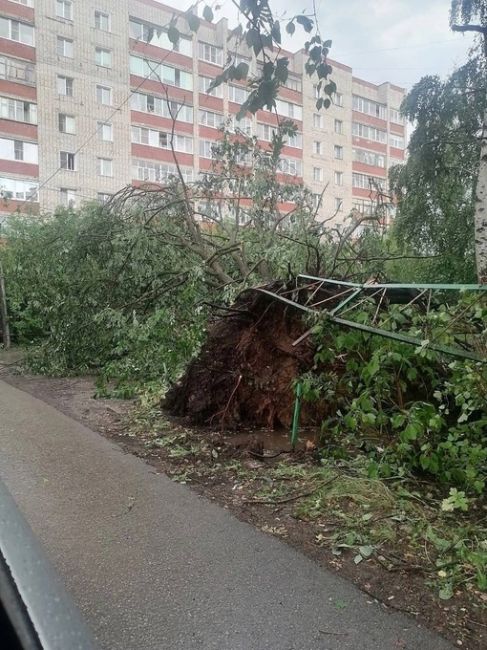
256,477
245,372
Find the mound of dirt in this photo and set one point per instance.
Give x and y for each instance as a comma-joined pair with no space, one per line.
244,373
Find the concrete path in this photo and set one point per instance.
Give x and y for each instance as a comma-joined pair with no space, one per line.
154,566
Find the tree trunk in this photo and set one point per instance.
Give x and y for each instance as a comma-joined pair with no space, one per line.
481,209
3,312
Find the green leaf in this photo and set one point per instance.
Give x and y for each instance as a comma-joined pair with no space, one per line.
290,28
276,32
173,34
358,558
366,551
241,71
208,13
193,21
327,44
305,22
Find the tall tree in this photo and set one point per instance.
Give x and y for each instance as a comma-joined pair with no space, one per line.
436,188
472,14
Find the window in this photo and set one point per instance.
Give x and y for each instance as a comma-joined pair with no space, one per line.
105,131
26,3
366,182
160,72
16,70
18,110
206,148
317,121
210,53
368,132
67,197
148,170
316,201
102,21
103,197
338,178
67,123
338,99
237,94
338,126
244,125
317,147
338,204
369,157
317,174
16,31
104,95
363,206
161,139
19,150
316,92
290,166
338,152
209,118
363,105
204,84
158,37
295,140
64,9
19,190
64,47
67,161
104,166
294,83
289,110
159,106
395,116
65,86
103,57
396,141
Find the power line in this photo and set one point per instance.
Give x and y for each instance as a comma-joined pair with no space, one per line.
401,47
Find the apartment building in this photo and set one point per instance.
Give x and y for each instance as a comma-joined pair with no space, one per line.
89,90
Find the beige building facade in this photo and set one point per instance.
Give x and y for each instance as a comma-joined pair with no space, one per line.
88,90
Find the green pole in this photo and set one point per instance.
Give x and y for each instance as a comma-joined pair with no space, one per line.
297,412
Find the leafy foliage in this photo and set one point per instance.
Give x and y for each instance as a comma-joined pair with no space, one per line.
408,408
436,186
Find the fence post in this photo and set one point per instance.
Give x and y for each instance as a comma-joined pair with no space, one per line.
3,311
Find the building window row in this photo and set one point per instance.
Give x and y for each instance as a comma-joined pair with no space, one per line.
159,106
237,94
18,110
366,182
266,131
211,119
363,206
396,141
16,70
158,37
368,132
65,85
19,190
19,150
289,109
161,72
395,116
290,166
204,84
369,157
26,3
158,172
161,139
17,31
210,53
368,106
64,9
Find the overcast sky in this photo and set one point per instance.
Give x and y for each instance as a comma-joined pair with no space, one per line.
383,40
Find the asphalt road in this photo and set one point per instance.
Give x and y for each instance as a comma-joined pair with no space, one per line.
153,566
